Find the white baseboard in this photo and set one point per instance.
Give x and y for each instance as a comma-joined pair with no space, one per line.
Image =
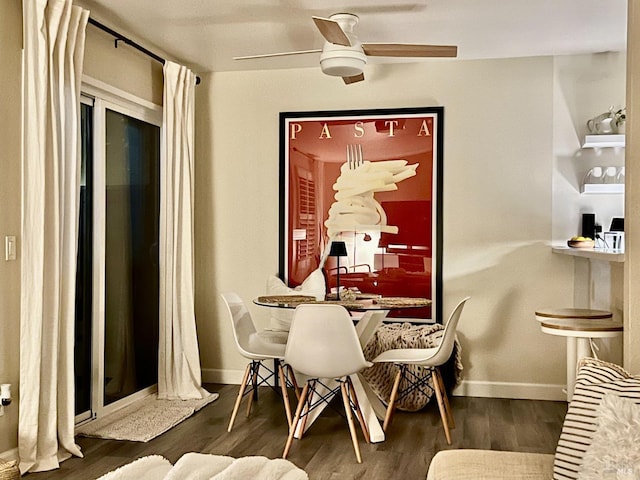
468,388
528,391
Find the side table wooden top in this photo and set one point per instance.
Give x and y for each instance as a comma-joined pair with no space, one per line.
566,313
601,325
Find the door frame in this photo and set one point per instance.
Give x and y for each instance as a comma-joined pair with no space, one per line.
102,97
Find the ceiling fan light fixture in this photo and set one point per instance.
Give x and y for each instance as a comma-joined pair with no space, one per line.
344,55
343,63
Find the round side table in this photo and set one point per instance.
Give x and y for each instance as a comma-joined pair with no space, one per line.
579,326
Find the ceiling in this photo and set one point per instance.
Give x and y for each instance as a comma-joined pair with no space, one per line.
206,34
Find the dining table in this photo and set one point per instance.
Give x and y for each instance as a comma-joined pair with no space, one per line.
368,312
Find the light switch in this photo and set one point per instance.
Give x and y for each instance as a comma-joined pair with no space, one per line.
9,247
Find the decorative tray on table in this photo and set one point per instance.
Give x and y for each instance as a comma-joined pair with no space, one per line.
286,299
367,296
353,304
401,301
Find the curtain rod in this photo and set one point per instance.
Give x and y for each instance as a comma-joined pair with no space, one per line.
121,38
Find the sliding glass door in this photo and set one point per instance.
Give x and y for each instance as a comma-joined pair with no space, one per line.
118,268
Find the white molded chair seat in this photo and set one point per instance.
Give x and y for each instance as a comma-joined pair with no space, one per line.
431,358
262,347
252,345
323,344
413,356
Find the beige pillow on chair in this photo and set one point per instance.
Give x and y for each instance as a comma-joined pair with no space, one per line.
313,285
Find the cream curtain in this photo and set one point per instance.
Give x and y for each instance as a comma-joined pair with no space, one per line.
54,32
179,375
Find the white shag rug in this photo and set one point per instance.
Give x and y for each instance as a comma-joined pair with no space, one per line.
144,420
200,466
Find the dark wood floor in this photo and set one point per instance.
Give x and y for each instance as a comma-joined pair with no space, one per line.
325,452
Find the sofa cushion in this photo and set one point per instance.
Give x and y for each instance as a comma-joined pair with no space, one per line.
490,465
313,285
618,426
594,380
202,466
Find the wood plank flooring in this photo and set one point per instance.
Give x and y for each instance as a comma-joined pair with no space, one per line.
325,452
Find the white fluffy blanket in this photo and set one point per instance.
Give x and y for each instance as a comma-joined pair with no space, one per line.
200,466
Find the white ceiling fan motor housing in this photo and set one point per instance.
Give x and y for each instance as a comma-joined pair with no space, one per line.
340,60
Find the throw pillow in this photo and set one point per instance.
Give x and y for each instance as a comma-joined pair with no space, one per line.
313,285
594,380
615,450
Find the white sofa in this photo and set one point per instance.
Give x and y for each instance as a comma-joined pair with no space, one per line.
490,465
201,466
599,439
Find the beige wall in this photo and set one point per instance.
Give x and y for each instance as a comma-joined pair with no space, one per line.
123,67
10,151
497,202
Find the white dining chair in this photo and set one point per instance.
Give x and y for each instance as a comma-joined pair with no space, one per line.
323,345
429,358
252,346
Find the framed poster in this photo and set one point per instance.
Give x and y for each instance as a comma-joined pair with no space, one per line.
373,179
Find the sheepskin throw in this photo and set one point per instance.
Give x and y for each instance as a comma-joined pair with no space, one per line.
405,335
201,466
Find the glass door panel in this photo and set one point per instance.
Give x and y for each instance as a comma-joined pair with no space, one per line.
131,255
83,325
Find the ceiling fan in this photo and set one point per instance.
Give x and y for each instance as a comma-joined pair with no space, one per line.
345,56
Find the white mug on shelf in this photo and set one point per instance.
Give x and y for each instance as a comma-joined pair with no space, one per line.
610,175
594,175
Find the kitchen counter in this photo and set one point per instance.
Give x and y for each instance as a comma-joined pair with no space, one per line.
593,253
598,283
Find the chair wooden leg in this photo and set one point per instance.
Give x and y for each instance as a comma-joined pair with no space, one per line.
354,399
292,379
392,400
309,401
285,393
296,419
255,367
352,428
445,397
441,407
243,386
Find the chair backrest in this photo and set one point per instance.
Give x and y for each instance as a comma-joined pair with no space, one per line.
445,348
241,321
323,342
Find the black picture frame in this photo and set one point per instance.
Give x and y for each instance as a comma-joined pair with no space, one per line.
318,140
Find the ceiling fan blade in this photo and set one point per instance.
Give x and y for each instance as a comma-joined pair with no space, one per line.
354,79
332,31
409,50
279,54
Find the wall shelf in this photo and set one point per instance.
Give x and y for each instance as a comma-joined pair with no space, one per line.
603,141
602,188
592,253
